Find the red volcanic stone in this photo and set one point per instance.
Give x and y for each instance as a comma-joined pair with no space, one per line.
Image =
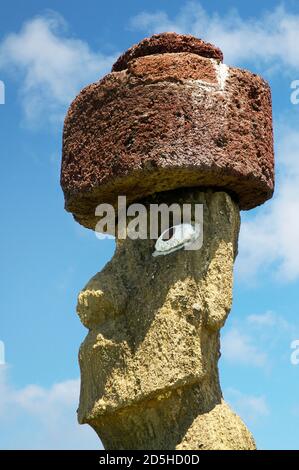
169,66
169,120
167,42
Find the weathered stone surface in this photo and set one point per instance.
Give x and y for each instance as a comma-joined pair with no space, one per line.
149,362
170,119
167,42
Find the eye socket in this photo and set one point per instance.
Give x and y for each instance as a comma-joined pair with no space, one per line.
176,238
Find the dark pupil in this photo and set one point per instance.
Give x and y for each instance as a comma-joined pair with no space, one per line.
169,234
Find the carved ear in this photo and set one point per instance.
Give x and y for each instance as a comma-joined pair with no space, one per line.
103,298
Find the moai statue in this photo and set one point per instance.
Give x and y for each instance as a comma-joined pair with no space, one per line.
170,124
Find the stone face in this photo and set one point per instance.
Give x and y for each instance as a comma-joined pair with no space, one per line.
172,118
149,362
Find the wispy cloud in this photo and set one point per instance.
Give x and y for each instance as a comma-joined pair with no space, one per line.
50,66
258,340
269,39
268,320
250,407
45,417
270,238
238,347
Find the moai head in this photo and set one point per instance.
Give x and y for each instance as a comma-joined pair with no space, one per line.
170,124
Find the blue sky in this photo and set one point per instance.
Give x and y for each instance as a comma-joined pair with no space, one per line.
48,52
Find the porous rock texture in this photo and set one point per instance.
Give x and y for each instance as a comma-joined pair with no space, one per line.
169,115
167,42
149,374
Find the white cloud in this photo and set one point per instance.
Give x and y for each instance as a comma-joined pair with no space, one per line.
157,22
259,340
264,319
51,65
238,347
272,37
249,407
35,417
270,320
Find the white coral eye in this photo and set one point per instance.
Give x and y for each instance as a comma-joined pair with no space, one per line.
175,238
